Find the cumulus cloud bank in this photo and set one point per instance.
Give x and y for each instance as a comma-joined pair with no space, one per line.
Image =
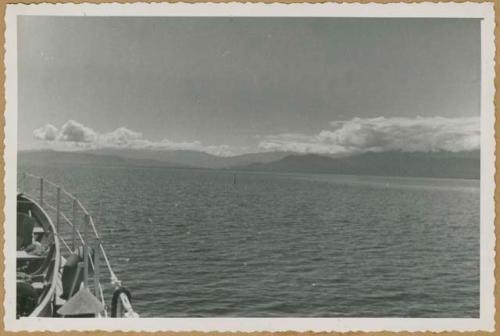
358,135
79,135
361,135
73,131
46,133
121,137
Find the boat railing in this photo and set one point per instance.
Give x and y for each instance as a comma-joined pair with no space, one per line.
78,234
45,302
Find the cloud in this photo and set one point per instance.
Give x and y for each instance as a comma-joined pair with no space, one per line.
120,137
125,138
73,131
361,135
219,150
358,135
46,133
80,136
298,143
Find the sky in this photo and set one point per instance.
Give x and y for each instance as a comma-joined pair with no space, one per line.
228,86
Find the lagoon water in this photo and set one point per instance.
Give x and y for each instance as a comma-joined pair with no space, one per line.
191,243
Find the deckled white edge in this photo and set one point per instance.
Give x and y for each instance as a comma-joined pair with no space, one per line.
448,10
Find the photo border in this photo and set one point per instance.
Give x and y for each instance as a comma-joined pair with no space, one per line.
488,151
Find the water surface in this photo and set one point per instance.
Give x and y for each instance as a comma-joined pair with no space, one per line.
190,242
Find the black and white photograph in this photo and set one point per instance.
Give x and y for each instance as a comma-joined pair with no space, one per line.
200,165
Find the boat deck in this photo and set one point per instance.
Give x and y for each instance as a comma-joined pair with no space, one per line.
58,258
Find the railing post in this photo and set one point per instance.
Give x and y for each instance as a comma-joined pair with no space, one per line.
96,267
73,234
85,252
41,191
58,209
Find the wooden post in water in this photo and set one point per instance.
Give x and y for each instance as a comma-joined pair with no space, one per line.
73,234
41,191
58,209
85,252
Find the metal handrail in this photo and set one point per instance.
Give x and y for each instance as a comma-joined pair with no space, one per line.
129,312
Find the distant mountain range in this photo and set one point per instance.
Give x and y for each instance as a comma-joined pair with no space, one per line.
44,157
189,158
440,164
147,158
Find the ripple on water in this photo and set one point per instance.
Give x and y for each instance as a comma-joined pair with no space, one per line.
190,243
